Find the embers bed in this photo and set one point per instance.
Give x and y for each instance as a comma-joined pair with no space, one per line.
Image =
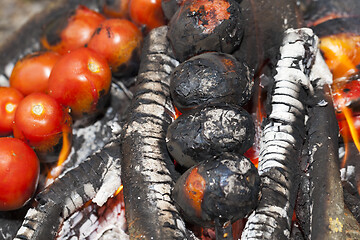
299,166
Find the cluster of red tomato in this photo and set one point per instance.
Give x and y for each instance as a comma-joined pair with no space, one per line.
71,78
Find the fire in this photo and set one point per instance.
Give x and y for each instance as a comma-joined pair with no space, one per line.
119,190
64,153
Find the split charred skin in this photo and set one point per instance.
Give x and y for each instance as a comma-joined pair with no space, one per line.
206,25
222,189
206,132
208,78
147,170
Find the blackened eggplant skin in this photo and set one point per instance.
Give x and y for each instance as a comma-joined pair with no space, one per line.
203,133
210,77
226,188
207,25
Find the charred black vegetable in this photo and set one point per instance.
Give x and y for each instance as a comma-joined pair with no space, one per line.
205,25
201,134
210,77
225,188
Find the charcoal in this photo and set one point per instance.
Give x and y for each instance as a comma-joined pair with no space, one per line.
210,77
148,173
170,7
202,26
225,188
202,133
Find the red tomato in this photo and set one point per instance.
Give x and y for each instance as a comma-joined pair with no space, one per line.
9,100
19,173
116,8
31,73
39,121
71,32
81,80
119,41
147,12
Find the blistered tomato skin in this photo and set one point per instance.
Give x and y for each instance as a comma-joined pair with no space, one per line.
81,80
19,173
9,100
119,41
39,121
68,33
147,12
115,8
31,73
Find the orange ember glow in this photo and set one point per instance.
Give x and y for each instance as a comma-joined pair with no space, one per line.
119,190
326,18
194,190
64,153
211,13
342,54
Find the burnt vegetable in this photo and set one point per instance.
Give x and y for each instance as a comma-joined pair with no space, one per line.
205,25
210,77
201,134
224,189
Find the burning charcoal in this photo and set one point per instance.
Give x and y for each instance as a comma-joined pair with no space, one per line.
203,133
205,25
210,77
147,170
283,136
222,189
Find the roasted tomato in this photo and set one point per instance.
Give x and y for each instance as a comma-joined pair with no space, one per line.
19,173
31,73
147,12
71,32
119,41
115,8
9,100
81,80
40,121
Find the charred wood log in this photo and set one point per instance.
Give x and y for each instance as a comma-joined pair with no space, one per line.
283,137
147,169
95,179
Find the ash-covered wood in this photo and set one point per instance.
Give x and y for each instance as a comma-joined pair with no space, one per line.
203,133
95,179
221,189
210,77
283,137
147,170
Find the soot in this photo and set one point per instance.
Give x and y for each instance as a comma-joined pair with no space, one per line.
204,133
205,25
210,77
225,188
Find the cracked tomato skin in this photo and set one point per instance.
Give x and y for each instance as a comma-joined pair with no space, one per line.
147,12
9,100
81,80
19,173
119,42
40,120
31,73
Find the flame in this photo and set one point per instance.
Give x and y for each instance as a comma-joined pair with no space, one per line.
64,153
119,190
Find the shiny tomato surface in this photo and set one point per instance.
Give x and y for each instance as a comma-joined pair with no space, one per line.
19,173
81,80
9,100
31,73
39,121
119,41
71,32
147,12
115,8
